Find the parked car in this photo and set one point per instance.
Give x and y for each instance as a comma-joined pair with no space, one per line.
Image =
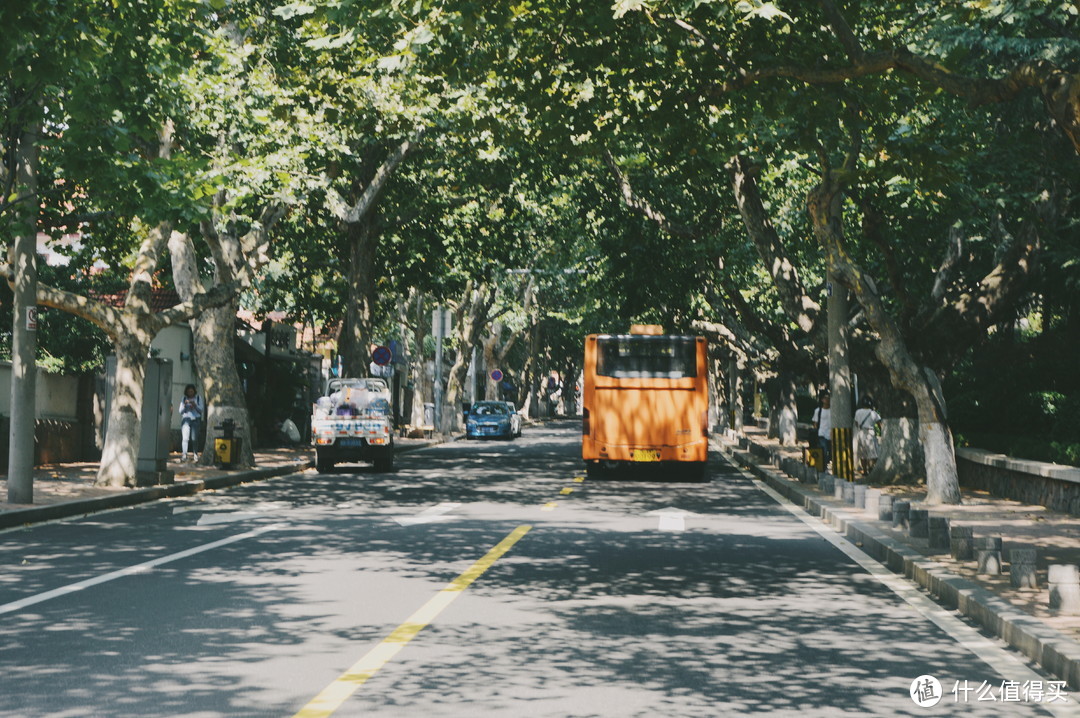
515,418
489,419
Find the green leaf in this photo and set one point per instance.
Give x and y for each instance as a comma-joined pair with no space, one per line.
293,9
621,7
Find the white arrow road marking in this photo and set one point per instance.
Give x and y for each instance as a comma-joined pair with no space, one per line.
671,518
224,518
429,515
132,570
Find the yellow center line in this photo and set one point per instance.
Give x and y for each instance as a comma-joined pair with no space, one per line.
331,697
579,479
549,506
567,491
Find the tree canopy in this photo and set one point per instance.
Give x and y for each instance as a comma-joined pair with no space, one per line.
649,161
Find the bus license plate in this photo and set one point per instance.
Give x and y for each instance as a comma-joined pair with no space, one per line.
645,455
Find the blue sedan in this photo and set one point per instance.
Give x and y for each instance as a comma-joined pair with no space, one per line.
489,419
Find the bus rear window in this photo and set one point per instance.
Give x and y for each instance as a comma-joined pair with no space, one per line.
646,357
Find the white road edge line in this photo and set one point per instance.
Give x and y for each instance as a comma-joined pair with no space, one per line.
131,570
1007,664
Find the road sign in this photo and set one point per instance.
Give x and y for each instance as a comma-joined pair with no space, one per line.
382,356
496,375
31,319
442,322
398,351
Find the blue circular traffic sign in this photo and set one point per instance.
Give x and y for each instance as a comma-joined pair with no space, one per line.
496,375
382,356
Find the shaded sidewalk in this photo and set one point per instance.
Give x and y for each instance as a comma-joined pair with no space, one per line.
1021,617
64,490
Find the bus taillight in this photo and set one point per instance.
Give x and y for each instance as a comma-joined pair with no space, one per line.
585,422
705,424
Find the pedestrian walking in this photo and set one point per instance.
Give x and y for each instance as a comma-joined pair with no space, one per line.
864,426
191,414
823,427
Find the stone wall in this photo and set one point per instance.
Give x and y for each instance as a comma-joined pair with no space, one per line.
1054,486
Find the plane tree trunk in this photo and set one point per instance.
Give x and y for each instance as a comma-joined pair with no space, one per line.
359,228
360,300
213,337
470,316
942,482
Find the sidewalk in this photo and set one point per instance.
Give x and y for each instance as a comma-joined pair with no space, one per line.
64,490
1021,617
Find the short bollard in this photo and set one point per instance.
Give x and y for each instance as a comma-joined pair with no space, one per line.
960,543
860,496
848,493
871,500
885,507
774,458
838,488
900,511
825,483
988,555
919,523
938,527
1022,568
804,473
1064,589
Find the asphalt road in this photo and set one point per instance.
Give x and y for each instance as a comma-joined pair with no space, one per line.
724,603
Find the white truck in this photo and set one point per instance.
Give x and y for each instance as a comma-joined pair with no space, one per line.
352,423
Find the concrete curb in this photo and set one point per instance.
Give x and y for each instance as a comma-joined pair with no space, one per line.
1053,650
83,507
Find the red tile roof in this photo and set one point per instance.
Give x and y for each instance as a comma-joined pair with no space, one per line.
160,299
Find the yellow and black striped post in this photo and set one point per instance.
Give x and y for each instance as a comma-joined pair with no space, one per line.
842,460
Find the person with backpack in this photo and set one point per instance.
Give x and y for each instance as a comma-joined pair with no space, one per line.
864,428
823,427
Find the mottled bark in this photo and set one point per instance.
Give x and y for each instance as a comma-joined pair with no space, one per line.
797,304
359,228
900,459
423,381
787,410
529,386
496,349
491,361
214,337
470,316
118,455
22,181
942,483
356,335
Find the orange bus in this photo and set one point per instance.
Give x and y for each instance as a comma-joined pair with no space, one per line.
645,399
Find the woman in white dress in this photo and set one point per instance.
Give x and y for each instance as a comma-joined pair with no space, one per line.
864,427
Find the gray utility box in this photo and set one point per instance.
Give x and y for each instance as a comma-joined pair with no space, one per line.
155,434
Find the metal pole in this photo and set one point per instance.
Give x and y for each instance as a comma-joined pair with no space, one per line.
24,328
473,371
439,330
